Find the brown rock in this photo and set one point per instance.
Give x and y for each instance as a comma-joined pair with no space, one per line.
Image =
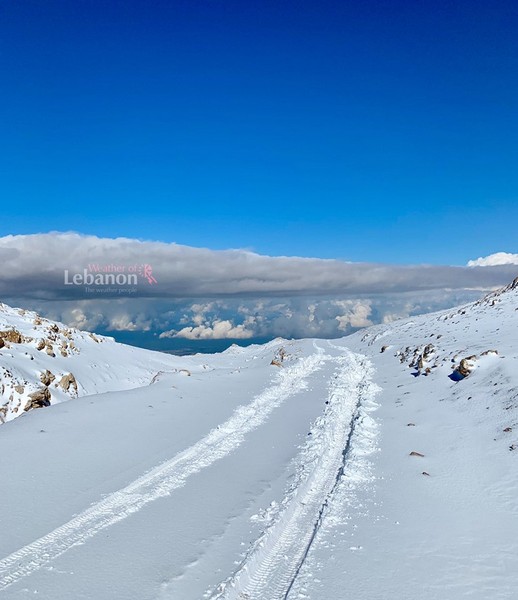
465,367
67,382
47,377
38,399
12,336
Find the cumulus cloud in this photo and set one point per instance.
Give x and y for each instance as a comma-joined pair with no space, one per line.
124,322
217,330
497,259
34,265
355,313
243,318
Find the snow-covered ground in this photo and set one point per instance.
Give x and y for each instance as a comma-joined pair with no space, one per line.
43,363
377,466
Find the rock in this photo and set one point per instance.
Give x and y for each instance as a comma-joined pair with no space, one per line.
40,345
12,336
279,357
38,399
424,356
383,349
466,366
416,454
47,377
67,382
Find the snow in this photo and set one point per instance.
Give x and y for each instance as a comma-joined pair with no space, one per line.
98,363
352,468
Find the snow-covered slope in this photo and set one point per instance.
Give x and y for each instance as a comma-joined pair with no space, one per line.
43,363
376,467
431,509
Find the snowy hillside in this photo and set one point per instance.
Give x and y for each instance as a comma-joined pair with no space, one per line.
43,363
378,466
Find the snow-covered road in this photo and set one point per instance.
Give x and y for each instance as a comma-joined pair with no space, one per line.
269,570
325,386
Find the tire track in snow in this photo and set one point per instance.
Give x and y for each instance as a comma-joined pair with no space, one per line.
269,570
164,478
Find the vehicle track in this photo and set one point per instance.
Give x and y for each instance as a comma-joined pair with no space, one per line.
271,567
163,479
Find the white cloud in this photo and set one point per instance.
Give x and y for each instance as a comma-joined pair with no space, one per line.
356,313
497,259
78,319
290,317
217,330
124,322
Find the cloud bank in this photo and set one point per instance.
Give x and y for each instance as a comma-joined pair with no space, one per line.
34,265
202,294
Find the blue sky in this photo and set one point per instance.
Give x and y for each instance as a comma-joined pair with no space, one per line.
366,131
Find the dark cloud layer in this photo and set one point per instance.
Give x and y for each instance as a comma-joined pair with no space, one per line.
34,265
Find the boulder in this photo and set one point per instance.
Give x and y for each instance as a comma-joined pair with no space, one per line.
38,399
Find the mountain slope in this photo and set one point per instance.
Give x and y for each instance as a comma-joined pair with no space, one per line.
381,465
432,509
43,363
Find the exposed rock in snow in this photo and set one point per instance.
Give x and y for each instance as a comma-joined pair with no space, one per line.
68,363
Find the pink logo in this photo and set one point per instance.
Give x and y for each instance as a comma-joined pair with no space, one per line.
147,272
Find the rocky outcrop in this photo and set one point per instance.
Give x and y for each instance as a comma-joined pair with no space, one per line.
38,399
279,357
67,382
466,366
47,377
11,335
